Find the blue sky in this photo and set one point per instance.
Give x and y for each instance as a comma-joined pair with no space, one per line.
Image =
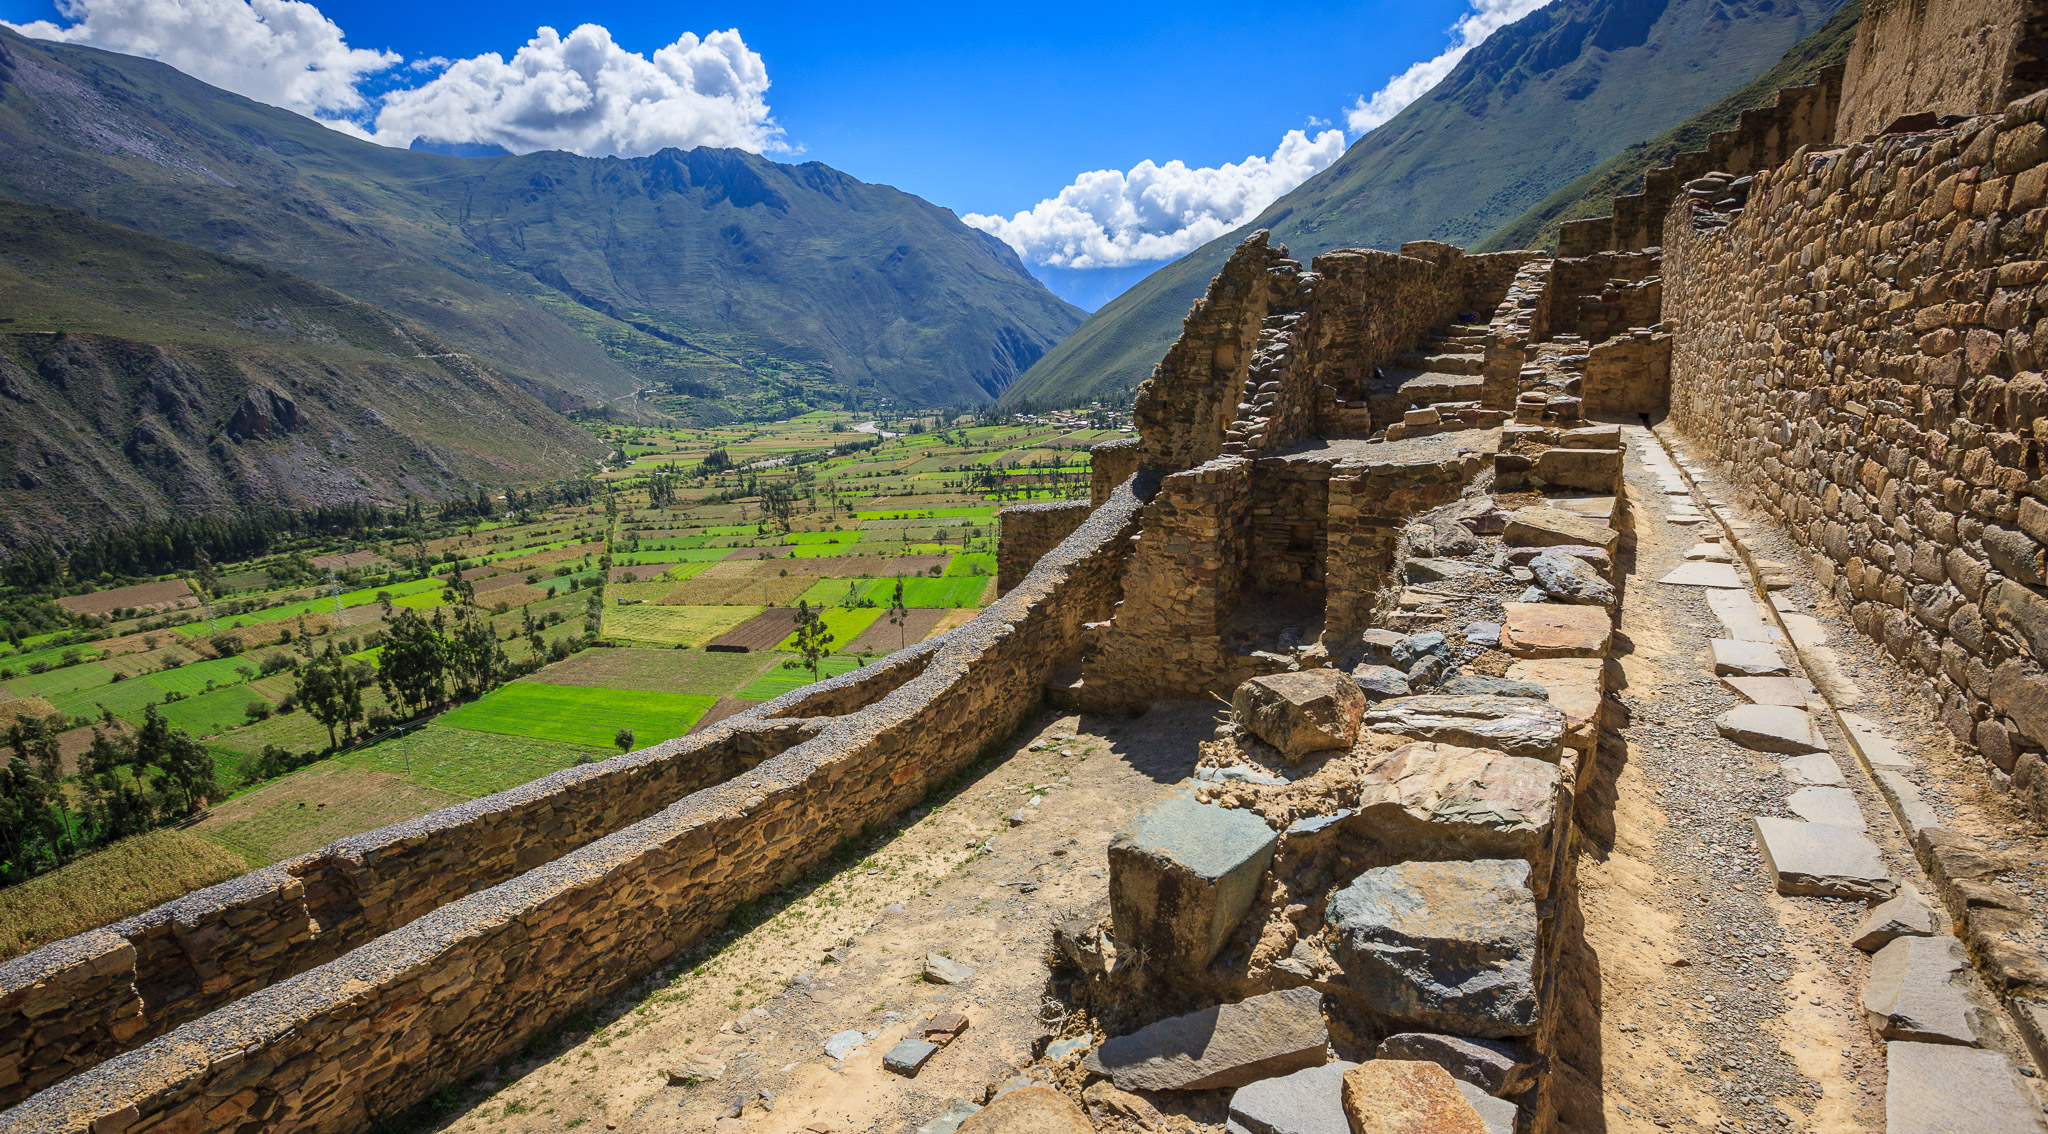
989,109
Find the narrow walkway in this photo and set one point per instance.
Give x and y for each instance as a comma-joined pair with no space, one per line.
1723,1004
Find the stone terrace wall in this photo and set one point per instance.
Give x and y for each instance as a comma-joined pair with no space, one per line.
1863,346
1025,532
1109,464
1628,375
73,1003
337,1047
1598,296
1763,137
1940,57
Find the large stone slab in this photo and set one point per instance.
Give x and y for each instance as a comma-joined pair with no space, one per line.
1815,858
1569,579
1404,1096
1834,806
1311,711
1231,1045
1575,687
1701,573
1306,1102
1911,992
1555,630
1538,526
1936,1088
1442,801
1449,946
1491,1065
1771,728
1906,914
1518,726
1181,877
1033,1110
1816,769
1747,659
1598,469
1768,690
1738,613
1499,1114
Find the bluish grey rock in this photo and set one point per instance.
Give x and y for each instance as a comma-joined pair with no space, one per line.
842,1044
1415,646
1450,946
1238,774
1378,645
1495,1067
1181,877
1483,634
1480,685
948,1120
1567,578
1379,682
1306,1102
910,1055
1231,1045
1498,1114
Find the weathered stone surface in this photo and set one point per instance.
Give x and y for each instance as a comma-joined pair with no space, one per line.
945,970
1492,1066
1441,801
1033,1110
1739,615
1554,630
1379,682
696,1067
1575,686
1593,469
1306,1102
948,1120
1816,769
1834,806
1446,945
1538,526
1415,647
1748,659
1517,726
1485,635
1298,713
1404,1096
1935,1088
1911,993
1701,573
909,1055
1378,646
1814,858
1479,685
1595,558
1227,1046
1771,728
842,1044
1181,878
1499,1114
1768,690
1906,914
1569,579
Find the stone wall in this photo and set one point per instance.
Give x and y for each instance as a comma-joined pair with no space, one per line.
346,1043
1938,57
1025,532
73,1003
1629,375
1370,500
1862,347
1598,296
1109,464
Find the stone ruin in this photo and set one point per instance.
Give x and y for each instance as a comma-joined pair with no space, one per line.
1372,505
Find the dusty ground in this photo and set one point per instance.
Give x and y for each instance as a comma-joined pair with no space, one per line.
848,952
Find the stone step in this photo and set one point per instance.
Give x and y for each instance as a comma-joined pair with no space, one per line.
1443,363
1938,1088
1429,388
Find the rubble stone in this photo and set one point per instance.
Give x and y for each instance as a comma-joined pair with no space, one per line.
1490,1065
1231,1045
1033,1110
1305,1102
1402,1096
1181,877
1905,914
1446,945
1567,578
1552,630
1517,726
1298,713
1441,801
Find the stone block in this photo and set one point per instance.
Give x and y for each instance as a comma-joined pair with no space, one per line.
1771,728
1231,1045
1911,993
1936,1088
908,1056
1500,1115
1538,526
1814,858
1767,690
1569,579
1491,1065
1405,1096
1480,685
1443,945
1033,1110
1378,646
1834,806
1815,769
1379,682
1517,726
1311,711
1441,801
1305,1102
1182,877
1552,630
1576,688
1748,659
1595,470
1905,914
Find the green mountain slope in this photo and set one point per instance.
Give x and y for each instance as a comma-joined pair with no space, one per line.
1592,195
752,283
1534,107
140,376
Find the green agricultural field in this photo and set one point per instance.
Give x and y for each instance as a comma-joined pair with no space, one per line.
844,625
468,763
53,683
313,807
979,563
580,715
211,713
674,625
118,881
780,680
656,671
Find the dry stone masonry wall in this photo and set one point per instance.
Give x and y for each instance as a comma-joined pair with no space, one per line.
1940,57
1026,532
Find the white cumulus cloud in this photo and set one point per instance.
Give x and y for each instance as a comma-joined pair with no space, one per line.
1108,218
586,94
283,52
581,92
1471,30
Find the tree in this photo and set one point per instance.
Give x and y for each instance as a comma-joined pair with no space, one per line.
181,768
330,686
476,661
413,669
813,641
624,739
899,615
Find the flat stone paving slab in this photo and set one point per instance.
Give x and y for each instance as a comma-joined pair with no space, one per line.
1767,690
1937,1088
1538,526
1815,769
1232,1045
1305,1102
1771,728
1877,747
1555,630
1834,806
1747,659
1905,914
1574,686
1518,726
1822,860
1704,574
1708,552
1739,615
1911,992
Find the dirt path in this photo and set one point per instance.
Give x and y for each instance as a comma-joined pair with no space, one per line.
848,953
